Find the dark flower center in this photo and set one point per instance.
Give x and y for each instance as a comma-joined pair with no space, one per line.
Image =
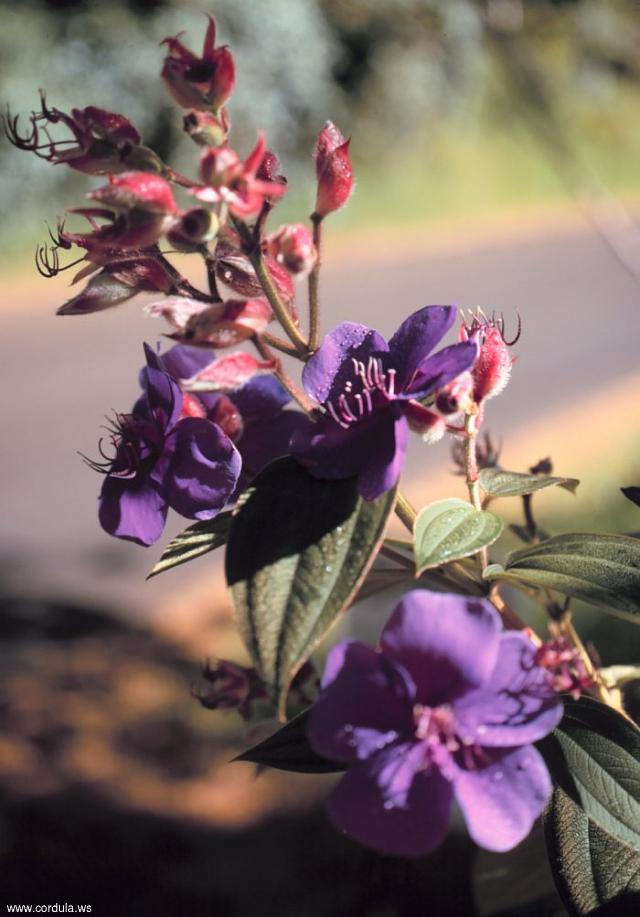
369,387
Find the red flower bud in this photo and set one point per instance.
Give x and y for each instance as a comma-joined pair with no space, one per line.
116,283
231,181
492,368
333,170
142,190
192,406
292,246
222,324
228,417
196,227
427,423
456,396
204,83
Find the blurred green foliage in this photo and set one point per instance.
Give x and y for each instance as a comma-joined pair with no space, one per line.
454,105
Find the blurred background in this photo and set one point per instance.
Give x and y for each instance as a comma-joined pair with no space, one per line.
496,145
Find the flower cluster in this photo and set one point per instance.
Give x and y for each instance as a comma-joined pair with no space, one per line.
448,707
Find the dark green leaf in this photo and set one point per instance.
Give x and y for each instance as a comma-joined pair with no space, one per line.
195,541
288,749
451,529
600,751
499,483
632,493
299,549
593,844
601,569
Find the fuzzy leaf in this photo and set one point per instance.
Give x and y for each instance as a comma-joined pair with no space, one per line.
288,749
600,569
195,541
593,846
451,529
499,483
299,549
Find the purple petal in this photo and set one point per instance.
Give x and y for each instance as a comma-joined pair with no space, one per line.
372,449
263,441
366,702
415,339
202,470
163,396
261,398
441,368
183,362
448,643
132,509
330,368
517,705
385,457
501,802
390,804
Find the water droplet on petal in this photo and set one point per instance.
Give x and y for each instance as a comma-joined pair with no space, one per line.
328,568
481,730
388,805
497,777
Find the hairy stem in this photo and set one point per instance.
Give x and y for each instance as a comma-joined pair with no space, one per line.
314,281
471,472
279,344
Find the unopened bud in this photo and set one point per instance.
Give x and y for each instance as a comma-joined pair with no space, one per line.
194,228
427,423
205,128
456,396
228,417
292,246
492,369
333,170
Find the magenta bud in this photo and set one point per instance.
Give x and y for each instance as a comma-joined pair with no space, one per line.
203,83
292,247
333,170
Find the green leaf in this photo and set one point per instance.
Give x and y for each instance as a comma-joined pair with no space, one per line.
599,750
592,825
601,569
299,549
451,529
288,749
499,483
195,541
594,872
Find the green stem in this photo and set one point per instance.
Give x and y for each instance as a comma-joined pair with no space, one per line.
405,512
471,470
279,344
285,379
314,282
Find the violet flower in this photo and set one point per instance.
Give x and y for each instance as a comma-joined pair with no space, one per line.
370,390
164,459
253,416
446,708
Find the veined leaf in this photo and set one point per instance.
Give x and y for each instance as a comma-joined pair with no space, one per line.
499,483
298,551
451,529
592,825
600,569
195,541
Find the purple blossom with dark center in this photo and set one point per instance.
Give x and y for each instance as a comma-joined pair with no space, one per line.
260,426
162,460
370,391
447,708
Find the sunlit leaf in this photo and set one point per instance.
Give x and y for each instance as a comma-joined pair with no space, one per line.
299,550
195,541
500,483
600,569
451,529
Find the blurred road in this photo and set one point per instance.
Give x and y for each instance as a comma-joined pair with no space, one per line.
61,375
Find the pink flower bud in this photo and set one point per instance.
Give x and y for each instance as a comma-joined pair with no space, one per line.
204,83
492,368
192,406
225,324
333,170
228,373
456,396
230,180
292,246
140,190
207,129
427,423
178,310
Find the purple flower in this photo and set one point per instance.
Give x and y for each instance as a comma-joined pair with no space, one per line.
446,708
370,391
164,459
253,415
